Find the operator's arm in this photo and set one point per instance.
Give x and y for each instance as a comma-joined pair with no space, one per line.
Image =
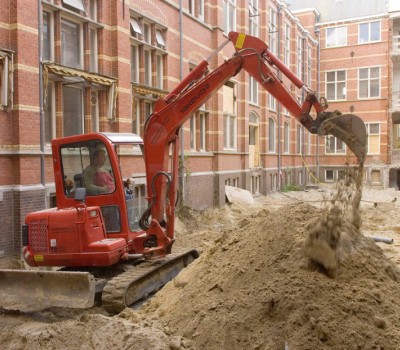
88,178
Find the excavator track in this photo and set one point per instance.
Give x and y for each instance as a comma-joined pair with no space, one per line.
141,280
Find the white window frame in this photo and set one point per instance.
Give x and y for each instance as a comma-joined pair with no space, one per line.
338,35
337,84
229,12
271,135
369,39
64,62
299,55
203,130
271,103
192,125
370,134
160,71
196,9
93,49
273,30
135,64
230,132
287,44
253,87
254,15
339,147
368,80
286,138
50,30
148,72
329,178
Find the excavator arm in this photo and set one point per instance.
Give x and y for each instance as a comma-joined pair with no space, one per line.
161,131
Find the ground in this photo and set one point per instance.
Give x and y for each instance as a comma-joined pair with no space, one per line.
254,285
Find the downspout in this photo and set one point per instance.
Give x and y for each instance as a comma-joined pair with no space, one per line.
279,14
41,111
182,144
318,90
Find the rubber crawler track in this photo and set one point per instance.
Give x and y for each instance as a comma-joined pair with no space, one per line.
143,279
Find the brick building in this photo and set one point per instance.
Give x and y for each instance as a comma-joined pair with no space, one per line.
77,66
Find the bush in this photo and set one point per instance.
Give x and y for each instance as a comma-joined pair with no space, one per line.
288,188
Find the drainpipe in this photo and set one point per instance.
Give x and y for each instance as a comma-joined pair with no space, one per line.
318,89
181,168
41,111
279,15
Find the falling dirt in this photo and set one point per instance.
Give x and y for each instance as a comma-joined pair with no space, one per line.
253,286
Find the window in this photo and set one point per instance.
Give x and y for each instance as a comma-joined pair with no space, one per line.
134,64
329,175
336,85
369,82
271,102
286,130
136,30
229,15
202,140
70,44
336,36
74,5
160,71
230,131
299,57
254,18
196,9
299,139
272,135
49,128
309,63
273,30
147,33
46,38
147,68
6,73
369,32
286,52
193,132
334,145
160,39
72,110
93,9
373,139
253,85
93,49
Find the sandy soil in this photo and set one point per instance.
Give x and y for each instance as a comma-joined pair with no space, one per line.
253,287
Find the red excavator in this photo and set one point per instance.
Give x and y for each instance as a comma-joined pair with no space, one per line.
104,240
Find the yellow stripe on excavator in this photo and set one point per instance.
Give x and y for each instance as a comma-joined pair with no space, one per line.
240,41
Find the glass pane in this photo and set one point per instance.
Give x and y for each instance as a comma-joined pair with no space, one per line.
374,144
375,31
364,33
341,75
341,36
48,117
70,44
330,37
374,88
341,91
46,36
363,73
373,129
72,111
363,89
374,72
330,91
330,76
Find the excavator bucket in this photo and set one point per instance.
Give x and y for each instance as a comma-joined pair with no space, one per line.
350,129
28,290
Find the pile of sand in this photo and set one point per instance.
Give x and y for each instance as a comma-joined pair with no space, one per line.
254,289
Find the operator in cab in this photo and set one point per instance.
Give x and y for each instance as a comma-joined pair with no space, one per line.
97,179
